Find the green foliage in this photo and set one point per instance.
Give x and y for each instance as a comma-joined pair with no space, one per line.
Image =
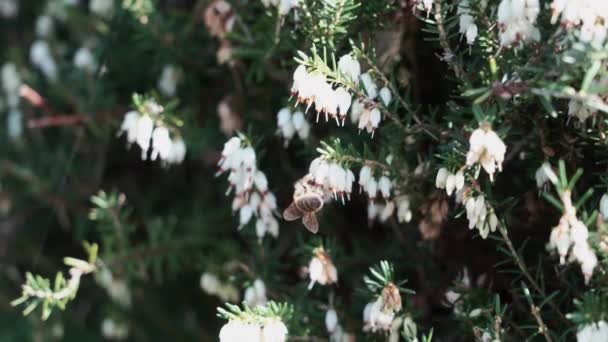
39,291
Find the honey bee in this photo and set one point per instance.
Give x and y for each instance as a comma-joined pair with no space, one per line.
308,199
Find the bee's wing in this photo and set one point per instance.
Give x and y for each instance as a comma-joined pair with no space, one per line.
292,213
311,222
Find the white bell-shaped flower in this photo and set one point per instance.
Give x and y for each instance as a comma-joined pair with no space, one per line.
386,96
370,86
349,67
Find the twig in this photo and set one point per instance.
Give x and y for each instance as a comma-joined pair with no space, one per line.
362,161
542,327
524,269
450,56
56,120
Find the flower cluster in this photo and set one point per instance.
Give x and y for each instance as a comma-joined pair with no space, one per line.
212,285
284,6
289,124
334,98
314,88
365,111
590,15
451,182
570,237
371,185
255,295
480,215
252,197
150,134
516,21
378,315
468,28
268,330
332,177
385,211
321,269
486,148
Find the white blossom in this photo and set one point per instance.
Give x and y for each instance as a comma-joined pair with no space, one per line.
252,198
451,182
102,8
284,6
349,67
604,206
141,129
237,330
288,125
580,110
370,118
273,331
426,5
14,124
487,148
442,177
167,83
255,295
370,86
385,185
44,26
468,28
332,177
570,239
321,269
331,321
590,16
376,317
42,57
386,96
595,332
11,82
480,216
9,8
212,285
404,212
541,176
161,143
113,330
85,60
516,21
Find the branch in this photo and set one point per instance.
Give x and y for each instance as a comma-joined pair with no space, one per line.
524,270
450,56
